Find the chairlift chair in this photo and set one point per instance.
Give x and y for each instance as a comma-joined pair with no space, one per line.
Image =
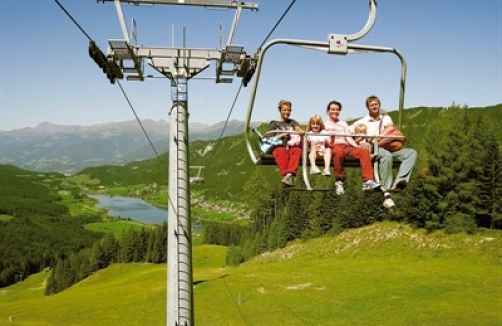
336,44
199,178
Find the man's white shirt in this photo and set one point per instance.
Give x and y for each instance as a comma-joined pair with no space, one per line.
372,125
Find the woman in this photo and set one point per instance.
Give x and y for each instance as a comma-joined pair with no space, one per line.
287,157
346,146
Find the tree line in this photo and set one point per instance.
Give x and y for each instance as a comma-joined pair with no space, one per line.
147,245
455,187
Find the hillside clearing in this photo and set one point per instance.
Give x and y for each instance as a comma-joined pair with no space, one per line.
383,274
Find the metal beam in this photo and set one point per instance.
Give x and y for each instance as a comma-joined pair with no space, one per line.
201,3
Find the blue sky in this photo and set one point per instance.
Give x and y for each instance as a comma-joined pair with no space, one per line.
453,50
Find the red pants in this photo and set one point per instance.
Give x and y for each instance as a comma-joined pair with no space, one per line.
342,150
287,159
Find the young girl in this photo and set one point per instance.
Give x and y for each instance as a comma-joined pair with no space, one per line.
361,138
319,145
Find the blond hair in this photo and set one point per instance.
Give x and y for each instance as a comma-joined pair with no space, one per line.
316,119
360,129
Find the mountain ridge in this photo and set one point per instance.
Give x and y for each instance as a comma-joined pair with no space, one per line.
68,149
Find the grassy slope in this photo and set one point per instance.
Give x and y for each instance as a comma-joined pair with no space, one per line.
385,274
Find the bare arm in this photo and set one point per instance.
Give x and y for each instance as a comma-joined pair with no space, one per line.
386,130
299,130
349,139
329,141
358,139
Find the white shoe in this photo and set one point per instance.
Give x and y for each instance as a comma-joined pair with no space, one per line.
388,203
288,180
315,170
371,185
339,188
326,173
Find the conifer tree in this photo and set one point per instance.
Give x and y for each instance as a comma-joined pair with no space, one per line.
261,201
489,206
126,244
450,183
276,235
421,208
297,210
155,245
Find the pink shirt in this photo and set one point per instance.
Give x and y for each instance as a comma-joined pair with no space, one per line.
338,127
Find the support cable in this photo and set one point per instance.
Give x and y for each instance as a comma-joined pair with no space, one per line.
288,308
123,92
151,144
120,85
73,20
236,303
240,87
139,121
226,122
277,24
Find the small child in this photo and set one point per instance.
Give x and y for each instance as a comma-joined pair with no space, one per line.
360,138
320,145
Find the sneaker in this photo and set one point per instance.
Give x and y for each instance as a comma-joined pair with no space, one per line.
326,173
400,185
288,180
388,203
371,185
315,170
339,188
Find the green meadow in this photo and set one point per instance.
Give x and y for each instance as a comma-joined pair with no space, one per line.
383,274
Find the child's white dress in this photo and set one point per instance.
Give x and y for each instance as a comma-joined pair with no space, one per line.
318,142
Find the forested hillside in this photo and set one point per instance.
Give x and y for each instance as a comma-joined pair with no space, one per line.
455,187
227,166
455,184
37,232
35,227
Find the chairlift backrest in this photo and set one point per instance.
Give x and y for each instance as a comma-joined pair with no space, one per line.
198,178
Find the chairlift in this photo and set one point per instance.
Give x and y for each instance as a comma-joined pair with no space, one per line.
199,178
338,44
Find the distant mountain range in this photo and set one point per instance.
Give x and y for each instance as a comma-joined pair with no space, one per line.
69,148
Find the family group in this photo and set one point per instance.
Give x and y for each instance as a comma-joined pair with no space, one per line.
335,139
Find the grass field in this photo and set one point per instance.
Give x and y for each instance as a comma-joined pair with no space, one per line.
4,217
384,274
